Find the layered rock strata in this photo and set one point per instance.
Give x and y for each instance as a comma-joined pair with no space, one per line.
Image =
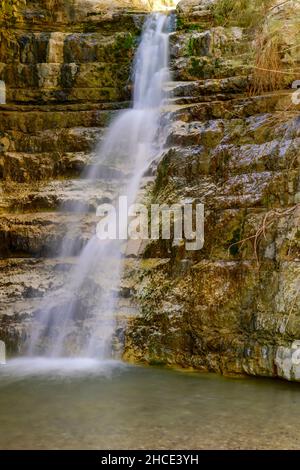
67,69
234,306
233,144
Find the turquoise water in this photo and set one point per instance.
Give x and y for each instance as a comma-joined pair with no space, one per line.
83,404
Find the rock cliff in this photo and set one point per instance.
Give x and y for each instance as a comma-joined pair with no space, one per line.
67,67
233,144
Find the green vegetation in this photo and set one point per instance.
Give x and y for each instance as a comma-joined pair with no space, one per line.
179,24
9,9
195,27
191,46
196,67
127,42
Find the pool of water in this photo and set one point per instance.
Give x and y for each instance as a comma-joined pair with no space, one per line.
85,404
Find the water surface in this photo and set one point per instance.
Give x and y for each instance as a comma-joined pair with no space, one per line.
85,404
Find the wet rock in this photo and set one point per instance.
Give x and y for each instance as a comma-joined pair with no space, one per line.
235,309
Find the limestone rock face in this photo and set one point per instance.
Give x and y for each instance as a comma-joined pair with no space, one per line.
233,145
234,306
193,11
189,7
67,67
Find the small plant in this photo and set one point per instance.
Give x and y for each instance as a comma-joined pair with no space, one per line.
129,42
195,27
9,9
191,47
179,24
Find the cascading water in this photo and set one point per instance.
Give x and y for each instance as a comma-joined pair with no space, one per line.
69,322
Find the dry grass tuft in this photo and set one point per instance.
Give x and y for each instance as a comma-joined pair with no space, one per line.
243,13
267,222
277,46
268,67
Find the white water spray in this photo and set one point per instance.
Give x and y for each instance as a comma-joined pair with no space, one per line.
80,319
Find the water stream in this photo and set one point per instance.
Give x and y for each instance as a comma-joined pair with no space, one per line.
132,142
86,404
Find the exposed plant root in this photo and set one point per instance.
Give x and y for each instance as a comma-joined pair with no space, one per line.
268,220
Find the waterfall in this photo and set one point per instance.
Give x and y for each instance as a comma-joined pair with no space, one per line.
79,319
